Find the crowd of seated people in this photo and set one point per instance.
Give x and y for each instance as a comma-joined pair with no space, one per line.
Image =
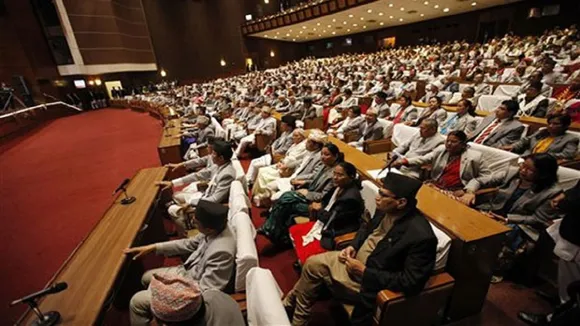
300,173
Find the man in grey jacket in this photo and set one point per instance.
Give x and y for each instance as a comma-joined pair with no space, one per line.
500,129
210,262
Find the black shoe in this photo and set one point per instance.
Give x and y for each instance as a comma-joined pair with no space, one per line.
554,300
533,319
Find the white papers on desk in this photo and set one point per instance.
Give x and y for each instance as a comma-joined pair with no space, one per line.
375,173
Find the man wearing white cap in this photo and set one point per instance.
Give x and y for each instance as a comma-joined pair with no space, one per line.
370,130
433,91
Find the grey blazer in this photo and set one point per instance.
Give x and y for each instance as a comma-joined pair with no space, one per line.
218,191
373,132
472,166
410,114
307,172
266,126
204,134
320,184
353,124
419,146
563,147
532,208
465,123
282,143
440,115
507,133
204,161
215,267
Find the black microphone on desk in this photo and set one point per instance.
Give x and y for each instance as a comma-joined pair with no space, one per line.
389,164
50,318
127,200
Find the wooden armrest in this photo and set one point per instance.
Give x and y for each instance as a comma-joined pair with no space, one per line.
486,191
351,136
377,146
572,164
263,141
394,308
240,298
342,241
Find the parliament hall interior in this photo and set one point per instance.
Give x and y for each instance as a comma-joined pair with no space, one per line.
290,162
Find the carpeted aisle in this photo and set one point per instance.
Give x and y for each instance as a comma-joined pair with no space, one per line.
55,184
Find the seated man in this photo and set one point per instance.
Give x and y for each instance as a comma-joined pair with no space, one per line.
308,110
352,123
178,300
425,142
396,253
347,102
480,87
218,188
468,93
532,103
380,104
202,134
432,91
371,129
499,129
266,125
210,263
278,148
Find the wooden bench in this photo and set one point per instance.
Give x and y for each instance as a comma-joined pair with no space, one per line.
97,267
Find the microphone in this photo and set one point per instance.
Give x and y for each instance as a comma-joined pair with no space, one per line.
127,200
48,319
389,164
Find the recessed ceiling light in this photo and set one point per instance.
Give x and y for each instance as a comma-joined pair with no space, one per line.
277,33
266,35
287,35
400,19
402,9
334,20
436,6
391,17
362,18
422,15
324,31
355,25
380,14
293,40
369,11
314,29
344,23
303,27
382,23
300,32
348,30
390,5
350,16
333,33
364,27
329,26
319,35
426,3
446,10
474,3
318,24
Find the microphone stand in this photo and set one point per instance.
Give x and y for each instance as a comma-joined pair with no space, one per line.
127,200
48,319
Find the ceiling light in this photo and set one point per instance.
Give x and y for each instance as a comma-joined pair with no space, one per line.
329,26
277,33
324,31
474,3
348,30
344,23
369,11
293,40
266,1
314,29
287,35
334,20
402,9
303,27
446,10
400,19
222,63
362,18
318,24
350,16
426,3
319,35
300,32
266,35
380,14
272,54
290,31
422,15
333,33
390,5
436,6
248,17
382,23
391,17
355,25
364,27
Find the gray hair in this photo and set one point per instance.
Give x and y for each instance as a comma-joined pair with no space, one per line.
431,123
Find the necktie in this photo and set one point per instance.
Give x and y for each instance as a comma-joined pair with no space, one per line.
399,116
486,132
448,125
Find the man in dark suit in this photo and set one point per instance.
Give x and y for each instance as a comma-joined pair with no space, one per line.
396,252
500,129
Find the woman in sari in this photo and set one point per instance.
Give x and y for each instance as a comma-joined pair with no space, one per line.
297,202
339,212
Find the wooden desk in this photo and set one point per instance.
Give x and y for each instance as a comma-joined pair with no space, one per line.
477,239
537,123
169,145
96,265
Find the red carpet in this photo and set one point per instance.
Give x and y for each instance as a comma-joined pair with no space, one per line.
55,183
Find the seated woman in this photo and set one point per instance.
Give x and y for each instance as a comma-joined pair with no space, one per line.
338,213
522,202
283,169
455,167
297,202
433,111
464,120
552,140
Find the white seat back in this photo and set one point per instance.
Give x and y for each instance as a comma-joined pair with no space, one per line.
319,109
402,133
496,159
506,90
240,174
387,128
246,252
577,134
263,295
446,96
369,193
219,130
238,201
463,86
490,102
567,178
